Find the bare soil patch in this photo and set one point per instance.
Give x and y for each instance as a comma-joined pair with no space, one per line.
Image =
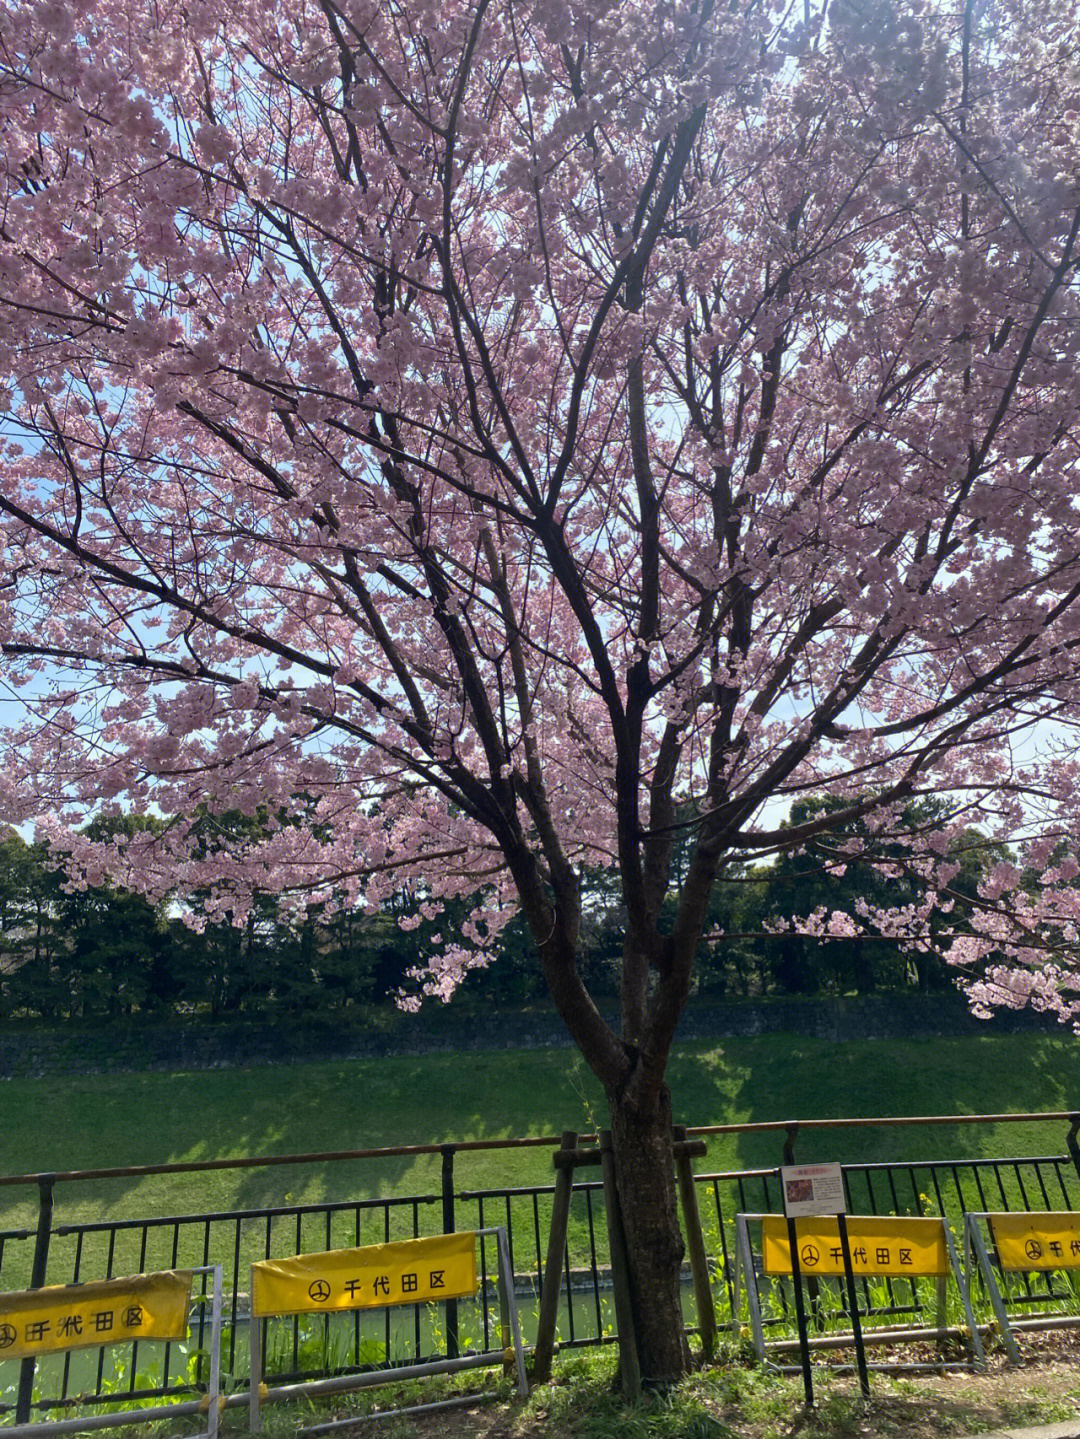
739,1402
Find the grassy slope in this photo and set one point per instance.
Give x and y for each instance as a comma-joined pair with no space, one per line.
87,1122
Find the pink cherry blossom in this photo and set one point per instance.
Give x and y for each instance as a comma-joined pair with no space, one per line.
478,436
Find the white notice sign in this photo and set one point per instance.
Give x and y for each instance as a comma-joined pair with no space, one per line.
812,1189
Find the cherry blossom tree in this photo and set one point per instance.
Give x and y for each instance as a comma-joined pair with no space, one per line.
482,433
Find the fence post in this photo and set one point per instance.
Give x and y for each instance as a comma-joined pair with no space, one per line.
37,1280
551,1284
449,1227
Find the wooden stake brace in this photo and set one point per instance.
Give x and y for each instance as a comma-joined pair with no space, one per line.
565,1159
573,1157
685,1150
556,1251
570,1157
689,1148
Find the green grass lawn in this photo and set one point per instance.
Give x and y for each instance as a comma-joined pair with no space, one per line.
103,1121
130,1119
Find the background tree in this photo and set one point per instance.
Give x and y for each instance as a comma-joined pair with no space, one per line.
28,927
849,874
79,950
503,422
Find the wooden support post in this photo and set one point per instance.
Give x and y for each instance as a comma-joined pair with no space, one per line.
629,1363
553,1266
695,1240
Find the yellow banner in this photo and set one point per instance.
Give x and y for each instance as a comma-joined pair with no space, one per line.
412,1271
890,1248
81,1316
1037,1241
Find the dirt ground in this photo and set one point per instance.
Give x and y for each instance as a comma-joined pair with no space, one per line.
747,1404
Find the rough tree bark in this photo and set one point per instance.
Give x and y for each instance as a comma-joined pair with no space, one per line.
631,1066
645,1173
470,433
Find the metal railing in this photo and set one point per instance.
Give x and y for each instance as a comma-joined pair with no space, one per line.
949,1187
56,1252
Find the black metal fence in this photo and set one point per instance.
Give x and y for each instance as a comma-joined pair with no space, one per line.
315,1346
947,1187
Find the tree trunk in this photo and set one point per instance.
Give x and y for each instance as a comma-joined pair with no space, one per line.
645,1178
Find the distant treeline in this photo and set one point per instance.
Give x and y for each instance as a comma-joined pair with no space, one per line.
67,953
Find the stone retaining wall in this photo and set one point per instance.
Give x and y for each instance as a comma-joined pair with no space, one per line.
30,1049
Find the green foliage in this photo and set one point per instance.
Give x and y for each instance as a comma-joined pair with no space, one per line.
582,1402
77,952
319,1345
89,951
61,1123
80,952
737,1398
823,875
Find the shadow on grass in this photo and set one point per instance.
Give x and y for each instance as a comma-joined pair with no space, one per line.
732,1402
785,1077
130,1119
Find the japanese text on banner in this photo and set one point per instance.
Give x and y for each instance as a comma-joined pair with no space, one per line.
79,1316
412,1271
887,1247
1036,1241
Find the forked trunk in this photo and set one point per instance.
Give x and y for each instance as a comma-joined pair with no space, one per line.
645,1178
